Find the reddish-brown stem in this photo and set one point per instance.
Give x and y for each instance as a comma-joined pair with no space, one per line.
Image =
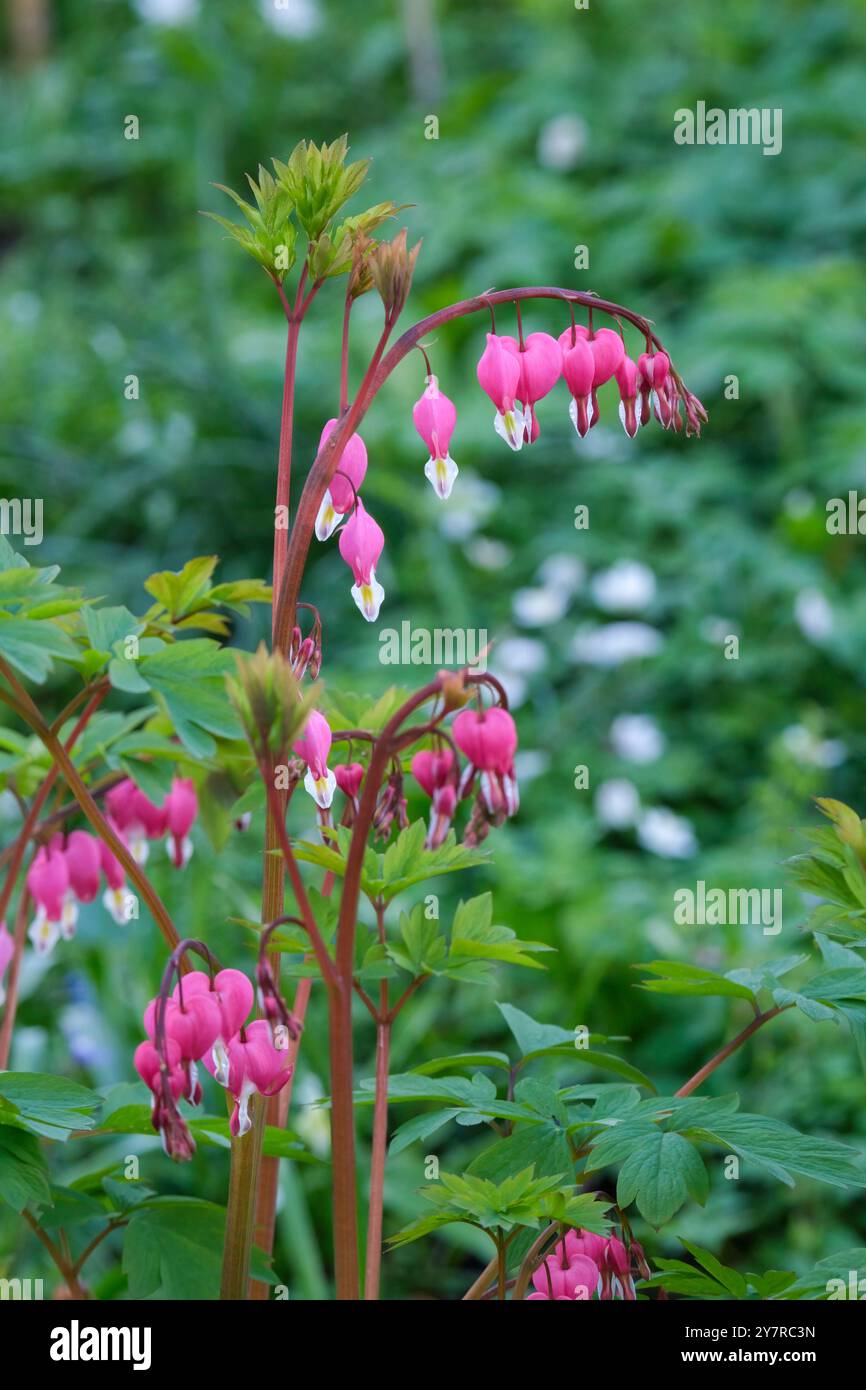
378,1153
11,1008
65,1268
722,1056
342,1080
344,355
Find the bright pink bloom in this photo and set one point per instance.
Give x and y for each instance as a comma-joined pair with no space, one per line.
487,737
654,368
339,497
578,368
7,951
627,378
361,542
349,777
254,1065
181,809
608,350
137,816
435,773
564,1278
435,417
48,884
192,1018
147,1063
498,374
48,881
83,863
540,361
611,1257
314,747
432,770
233,994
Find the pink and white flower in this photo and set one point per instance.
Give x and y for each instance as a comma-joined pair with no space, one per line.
435,417
181,809
314,747
540,361
339,497
498,374
361,543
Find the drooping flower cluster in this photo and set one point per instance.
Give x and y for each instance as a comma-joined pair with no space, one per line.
66,871
138,820
516,373
487,738
584,1266
204,1019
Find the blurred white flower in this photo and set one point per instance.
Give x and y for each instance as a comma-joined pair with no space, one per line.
802,744
520,655
488,553
516,687
471,505
662,832
539,607
715,629
562,571
295,19
799,503
624,588
24,307
168,12
814,614
617,803
615,643
530,763
561,141
637,738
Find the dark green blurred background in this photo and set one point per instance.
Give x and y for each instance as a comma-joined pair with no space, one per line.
555,130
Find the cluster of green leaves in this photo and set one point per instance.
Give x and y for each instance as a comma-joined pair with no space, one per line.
172,1245
520,1202
308,192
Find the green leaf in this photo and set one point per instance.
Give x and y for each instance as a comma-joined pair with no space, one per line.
173,1249
23,1170
690,980
32,647
46,1105
659,1174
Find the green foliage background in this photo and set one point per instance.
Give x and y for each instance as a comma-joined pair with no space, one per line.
749,265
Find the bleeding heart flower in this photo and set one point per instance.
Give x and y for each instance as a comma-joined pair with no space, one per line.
181,809
578,368
435,773
361,542
339,498
117,899
255,1065
627,378
137,816
314,747
565,1279
435,417
349,777
608,350
488,738
498,374
83,863
540,362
